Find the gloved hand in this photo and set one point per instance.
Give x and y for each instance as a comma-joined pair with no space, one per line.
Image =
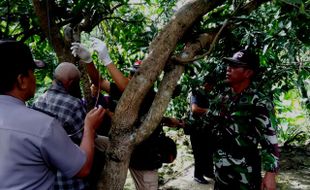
101,48
81,51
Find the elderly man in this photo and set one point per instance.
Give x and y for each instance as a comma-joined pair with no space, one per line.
62,100
244,118
33,145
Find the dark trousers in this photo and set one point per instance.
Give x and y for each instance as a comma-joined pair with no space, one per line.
201,141
254,186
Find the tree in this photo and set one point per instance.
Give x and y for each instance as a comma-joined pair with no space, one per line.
200,24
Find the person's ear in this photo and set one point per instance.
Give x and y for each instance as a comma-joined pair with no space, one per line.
21,82
249,73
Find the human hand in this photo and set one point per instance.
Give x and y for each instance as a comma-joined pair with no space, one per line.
94,117
173,122
269,181
109,113
101,48
81,51
182,124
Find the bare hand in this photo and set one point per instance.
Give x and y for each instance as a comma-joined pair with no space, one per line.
94,117
269,181
181,123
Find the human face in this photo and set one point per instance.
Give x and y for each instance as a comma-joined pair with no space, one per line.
236,74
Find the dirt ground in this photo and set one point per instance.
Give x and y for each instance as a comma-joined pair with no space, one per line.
293,175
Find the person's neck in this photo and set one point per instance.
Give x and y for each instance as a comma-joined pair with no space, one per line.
17,95
240,87
60,83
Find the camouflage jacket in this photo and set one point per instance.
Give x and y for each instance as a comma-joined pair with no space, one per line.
241,123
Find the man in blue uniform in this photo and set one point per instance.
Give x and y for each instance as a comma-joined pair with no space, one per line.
34,145
201,132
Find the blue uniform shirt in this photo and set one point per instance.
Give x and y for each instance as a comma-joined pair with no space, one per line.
33,146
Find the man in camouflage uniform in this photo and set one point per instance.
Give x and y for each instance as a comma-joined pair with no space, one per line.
243,119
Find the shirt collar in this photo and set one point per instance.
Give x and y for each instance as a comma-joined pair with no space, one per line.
58,86
11,99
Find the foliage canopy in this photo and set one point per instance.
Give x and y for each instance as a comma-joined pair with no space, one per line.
277,30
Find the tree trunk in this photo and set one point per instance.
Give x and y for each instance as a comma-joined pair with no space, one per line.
51,30
123,137
60,45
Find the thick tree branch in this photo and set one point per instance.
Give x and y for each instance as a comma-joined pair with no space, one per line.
168,84
245,9
160,103
52,31
152,66
172,76
123,136
160,50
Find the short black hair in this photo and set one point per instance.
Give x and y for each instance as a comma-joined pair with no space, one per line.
16,58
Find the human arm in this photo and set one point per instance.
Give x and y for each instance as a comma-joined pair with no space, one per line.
101,48
55,146
173,122
79,50
120,80
91,123
96,79
266,125
198,110
195,108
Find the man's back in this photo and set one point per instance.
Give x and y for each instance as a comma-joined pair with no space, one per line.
68,109
30,144
71,113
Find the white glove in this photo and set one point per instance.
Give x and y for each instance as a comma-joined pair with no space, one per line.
101,48
81,51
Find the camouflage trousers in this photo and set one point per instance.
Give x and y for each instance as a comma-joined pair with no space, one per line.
241,174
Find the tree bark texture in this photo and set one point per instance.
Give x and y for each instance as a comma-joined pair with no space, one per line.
123,136
60,44
172,74
51,30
